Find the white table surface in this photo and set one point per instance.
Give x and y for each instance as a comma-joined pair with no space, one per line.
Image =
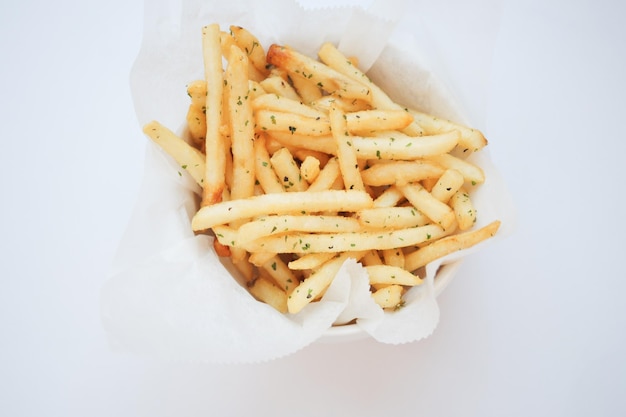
534,326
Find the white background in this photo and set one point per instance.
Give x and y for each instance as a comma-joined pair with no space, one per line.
534,326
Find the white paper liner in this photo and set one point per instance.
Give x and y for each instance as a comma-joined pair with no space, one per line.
168,294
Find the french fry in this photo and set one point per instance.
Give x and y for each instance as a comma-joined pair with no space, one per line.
241,125
447,185
463,208
220,249
265,174
389,198
471,140
473,174
397,146
288,171
303,154
371,258
271,225
340,242
311,261
394,257
388,218
278,85
389,297
228,41
268,120
330,55
285,105
266,291
325,144
386,274
196,119
310,168
316,284
401,172
306,89
329,80
215,146
327,176
346,153
241,263
252,47
281,274
449,244
330,200
422,200
347,105
256,89
260,258
368,121
188,157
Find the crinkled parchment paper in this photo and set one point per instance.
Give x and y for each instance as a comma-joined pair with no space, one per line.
168,295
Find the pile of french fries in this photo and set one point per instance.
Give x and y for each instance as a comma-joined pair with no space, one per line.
304,163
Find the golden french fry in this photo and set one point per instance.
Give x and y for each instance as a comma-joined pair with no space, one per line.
327,176
228,41
270,225
188,157
329,80
464,209
401,172
288,171
256,89
241,124
303,154
240,261
388,218
325,144
330,55
398,146
220,249
311,261
449,244
269,120
389,297
266,291
260,258
283,203
278,85
387,274
252,47
371,258
338,242
310,168
471,140
285,105
215,146
447,185
393,257
389,198
316,284
306,89
368,121
422,200
346,153
324,104
472,173
281,274
265,174
196,118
